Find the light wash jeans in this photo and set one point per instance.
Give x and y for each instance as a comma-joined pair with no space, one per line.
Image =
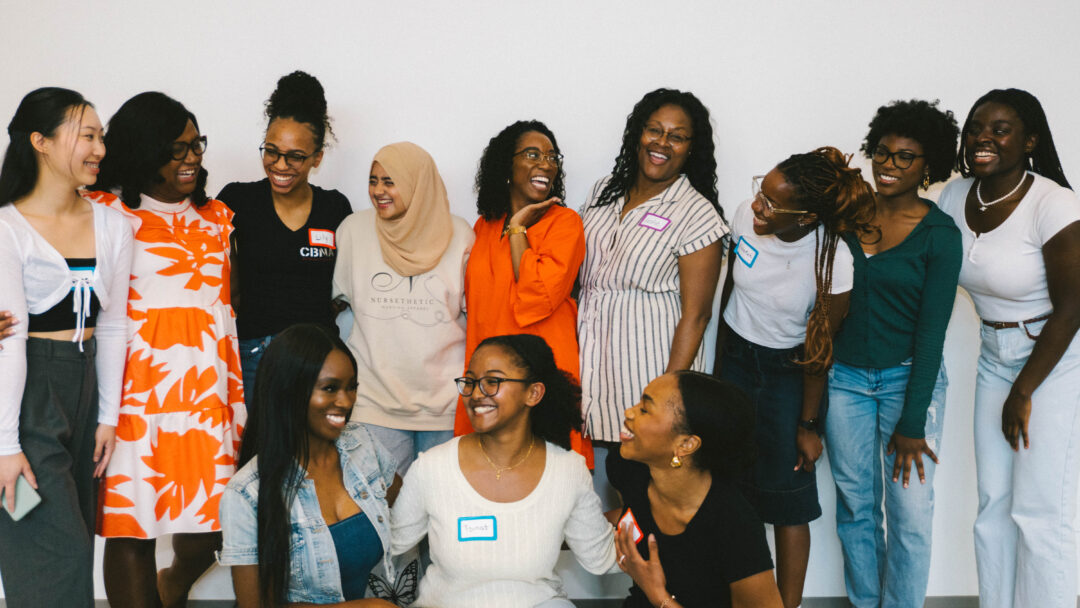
1025,539
864,406
407,445
251,352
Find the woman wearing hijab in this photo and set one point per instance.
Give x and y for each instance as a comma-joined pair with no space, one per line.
401,268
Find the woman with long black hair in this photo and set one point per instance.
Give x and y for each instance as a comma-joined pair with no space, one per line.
307,473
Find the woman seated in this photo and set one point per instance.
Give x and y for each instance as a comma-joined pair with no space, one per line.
307,472
497,504
691,438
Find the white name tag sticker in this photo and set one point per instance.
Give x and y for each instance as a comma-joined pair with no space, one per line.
477,528
628,520
321,238
656,222
746,252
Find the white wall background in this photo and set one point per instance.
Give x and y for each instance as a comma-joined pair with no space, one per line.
779,77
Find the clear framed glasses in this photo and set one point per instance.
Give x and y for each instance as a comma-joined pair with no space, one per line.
654,133
901,159
179,149
534,155
767,205
489,385
293,159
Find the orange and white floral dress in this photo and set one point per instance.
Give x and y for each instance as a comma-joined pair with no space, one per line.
182,408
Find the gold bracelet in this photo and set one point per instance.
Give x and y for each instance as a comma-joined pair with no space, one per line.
512,230
665,603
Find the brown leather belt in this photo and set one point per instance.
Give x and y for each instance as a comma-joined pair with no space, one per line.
1010,324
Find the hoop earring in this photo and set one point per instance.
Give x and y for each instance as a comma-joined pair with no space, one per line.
675,462
926,181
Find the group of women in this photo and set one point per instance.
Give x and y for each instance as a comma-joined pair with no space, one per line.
183,350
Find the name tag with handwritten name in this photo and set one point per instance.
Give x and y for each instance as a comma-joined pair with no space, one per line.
629,522
655,222
482,527
321,238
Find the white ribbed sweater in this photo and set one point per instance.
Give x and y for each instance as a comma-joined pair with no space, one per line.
518,568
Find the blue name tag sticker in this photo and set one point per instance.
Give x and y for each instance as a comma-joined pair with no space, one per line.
746,252
482,527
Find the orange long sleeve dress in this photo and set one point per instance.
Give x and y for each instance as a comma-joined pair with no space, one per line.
538,303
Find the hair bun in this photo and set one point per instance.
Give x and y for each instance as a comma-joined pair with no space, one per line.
300,96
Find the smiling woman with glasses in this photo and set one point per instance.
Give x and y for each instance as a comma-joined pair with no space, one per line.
528,249
785,294
285,227
181,409
887,385
497,504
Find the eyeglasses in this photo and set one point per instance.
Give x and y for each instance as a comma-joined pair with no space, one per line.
654,133
179,149
534,155
901,159
489,385
767,205
292,159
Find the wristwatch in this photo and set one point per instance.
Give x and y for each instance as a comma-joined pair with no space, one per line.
810,425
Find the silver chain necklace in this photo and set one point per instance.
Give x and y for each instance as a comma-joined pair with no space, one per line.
983,206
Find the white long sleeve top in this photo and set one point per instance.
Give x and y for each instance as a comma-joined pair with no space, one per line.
486,553
33,278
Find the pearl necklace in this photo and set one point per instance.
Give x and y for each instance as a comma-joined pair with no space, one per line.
983,206
500,470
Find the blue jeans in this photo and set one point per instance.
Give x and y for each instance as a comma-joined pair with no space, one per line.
864,407
251,352
1025,534
407,445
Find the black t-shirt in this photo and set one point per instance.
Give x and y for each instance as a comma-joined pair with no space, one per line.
723,543
285,276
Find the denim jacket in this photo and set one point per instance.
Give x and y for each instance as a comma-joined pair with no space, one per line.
367,471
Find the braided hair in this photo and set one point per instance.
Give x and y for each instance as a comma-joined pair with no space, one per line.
843,201
700,167
1044,158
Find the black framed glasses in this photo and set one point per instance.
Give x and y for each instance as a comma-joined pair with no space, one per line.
179,149
489,385
534,155
767,204
901,159
293,159
654,133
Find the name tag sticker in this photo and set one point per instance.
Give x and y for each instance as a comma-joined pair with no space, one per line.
477,528
746,252
656,222
321,238
629,520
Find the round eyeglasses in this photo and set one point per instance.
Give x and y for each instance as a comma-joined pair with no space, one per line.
534,155
767,205
489,385
179,149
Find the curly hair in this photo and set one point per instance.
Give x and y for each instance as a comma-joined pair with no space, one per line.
139,142
934,129
493,173
700,167
559,411
843,201
722,416
41,111
1044,158
300,96
277,432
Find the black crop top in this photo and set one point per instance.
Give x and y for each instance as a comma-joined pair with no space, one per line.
64,315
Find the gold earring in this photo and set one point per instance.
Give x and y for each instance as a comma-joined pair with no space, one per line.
926,181
675,462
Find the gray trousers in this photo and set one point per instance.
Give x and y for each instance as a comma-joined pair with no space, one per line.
47,558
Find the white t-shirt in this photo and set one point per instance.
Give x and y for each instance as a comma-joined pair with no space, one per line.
1003,270
775,288
408,333
486,553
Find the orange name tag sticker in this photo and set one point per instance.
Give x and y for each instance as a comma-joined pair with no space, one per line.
628,521
321,238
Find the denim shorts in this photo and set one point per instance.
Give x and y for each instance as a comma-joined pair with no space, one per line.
774,383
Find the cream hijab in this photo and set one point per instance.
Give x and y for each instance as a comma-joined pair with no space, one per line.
415,242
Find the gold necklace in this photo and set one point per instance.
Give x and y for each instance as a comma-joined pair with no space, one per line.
500,470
